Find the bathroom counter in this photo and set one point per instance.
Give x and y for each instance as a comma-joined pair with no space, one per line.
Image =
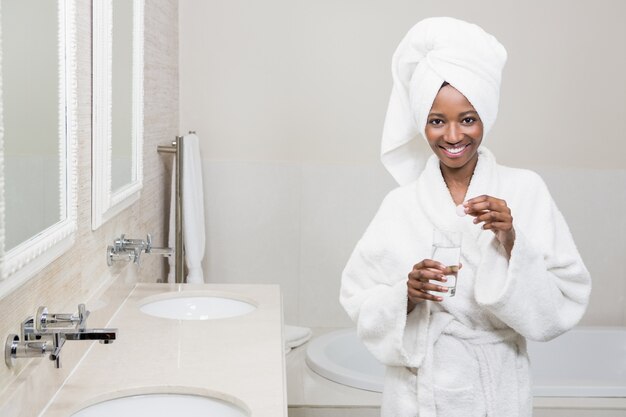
238,359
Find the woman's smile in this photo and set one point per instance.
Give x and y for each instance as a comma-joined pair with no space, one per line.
455,151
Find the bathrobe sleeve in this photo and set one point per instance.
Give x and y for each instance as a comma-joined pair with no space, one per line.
543,290
374,289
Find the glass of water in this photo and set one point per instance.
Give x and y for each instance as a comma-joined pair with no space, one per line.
447,250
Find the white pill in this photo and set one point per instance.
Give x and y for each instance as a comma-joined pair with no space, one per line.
460,210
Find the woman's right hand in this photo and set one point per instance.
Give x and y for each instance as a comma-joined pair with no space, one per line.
419,283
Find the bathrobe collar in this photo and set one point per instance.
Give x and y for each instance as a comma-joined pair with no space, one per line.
436,201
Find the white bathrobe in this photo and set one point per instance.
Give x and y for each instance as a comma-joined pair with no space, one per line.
465,356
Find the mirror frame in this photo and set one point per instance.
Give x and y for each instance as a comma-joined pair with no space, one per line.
29,257
106,203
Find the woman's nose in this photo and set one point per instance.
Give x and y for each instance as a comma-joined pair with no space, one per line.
454,133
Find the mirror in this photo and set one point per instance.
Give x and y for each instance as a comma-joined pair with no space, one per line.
37,135
117,107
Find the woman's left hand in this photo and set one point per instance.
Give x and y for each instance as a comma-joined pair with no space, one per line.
496,216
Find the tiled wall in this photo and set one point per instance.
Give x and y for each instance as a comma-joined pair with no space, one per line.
81,274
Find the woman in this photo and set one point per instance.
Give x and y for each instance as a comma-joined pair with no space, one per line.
521,275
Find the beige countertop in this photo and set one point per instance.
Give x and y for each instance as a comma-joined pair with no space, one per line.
239,359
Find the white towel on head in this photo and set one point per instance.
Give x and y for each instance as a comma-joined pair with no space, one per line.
433,51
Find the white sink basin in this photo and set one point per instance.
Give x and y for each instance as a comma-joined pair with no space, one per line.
189,306
163,405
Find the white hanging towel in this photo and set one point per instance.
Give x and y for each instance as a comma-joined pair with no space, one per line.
193,211
193,208
171,237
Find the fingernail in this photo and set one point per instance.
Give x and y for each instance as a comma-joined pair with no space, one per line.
439,298
454,268
443,278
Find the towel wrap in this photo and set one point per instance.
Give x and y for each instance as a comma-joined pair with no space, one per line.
433,51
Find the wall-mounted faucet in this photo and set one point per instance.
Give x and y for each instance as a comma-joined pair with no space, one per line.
46,333
128,250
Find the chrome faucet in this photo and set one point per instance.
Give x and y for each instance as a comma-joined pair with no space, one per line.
46,333
124,249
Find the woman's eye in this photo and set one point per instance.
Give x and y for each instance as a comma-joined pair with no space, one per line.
436,122
469,120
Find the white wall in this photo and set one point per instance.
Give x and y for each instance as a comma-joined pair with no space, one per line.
289,97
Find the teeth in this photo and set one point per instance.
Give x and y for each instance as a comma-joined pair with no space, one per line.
456,150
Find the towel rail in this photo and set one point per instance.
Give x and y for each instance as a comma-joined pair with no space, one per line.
179,256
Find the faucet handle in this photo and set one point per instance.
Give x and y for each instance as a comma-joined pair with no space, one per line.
44,321
148,246
14,349
83,313
136,255
118,244
114,254
132,244
41,320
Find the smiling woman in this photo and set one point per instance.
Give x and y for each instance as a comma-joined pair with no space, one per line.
38,134
516,282
454,132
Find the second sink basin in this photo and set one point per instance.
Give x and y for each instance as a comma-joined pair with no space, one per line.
195,306
162,405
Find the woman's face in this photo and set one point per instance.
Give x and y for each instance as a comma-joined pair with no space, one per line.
453,129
